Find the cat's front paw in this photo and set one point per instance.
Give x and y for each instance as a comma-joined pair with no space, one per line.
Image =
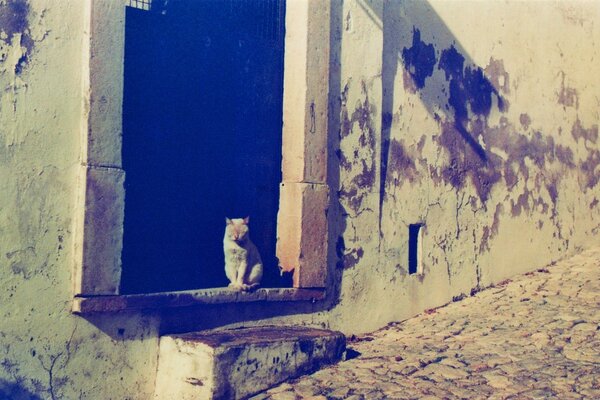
249,288
235,286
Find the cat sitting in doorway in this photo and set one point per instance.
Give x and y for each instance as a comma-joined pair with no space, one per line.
243,265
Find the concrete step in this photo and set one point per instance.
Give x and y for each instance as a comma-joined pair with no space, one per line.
236,363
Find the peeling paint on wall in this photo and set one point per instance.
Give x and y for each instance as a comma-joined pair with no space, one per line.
467,148
493,147
14,23
358,124
567,96
419,60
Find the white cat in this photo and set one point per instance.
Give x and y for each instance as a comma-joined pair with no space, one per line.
243,265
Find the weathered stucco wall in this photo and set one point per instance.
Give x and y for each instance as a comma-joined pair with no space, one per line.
45,352
478,119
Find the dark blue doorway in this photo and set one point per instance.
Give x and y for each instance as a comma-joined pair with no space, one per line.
202,119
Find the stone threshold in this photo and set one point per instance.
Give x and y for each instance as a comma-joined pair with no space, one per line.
187,298
237,363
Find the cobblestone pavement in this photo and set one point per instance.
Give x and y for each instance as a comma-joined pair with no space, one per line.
535,337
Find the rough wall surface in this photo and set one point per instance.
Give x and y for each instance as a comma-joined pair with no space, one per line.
45,352
475,121
478,119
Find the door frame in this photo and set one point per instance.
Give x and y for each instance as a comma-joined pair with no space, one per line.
302,230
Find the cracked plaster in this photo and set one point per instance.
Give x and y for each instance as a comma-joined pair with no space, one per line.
531,200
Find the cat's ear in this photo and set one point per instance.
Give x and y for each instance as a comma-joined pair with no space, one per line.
227,221
246,220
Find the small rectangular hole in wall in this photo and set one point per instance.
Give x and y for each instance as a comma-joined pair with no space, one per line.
414,248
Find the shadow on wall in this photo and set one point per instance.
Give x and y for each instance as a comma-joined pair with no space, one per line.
481,147
335,214
461,94
14,391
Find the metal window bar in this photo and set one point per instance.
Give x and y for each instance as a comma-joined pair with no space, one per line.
239,9
140,4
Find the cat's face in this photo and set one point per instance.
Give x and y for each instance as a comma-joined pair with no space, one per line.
237,229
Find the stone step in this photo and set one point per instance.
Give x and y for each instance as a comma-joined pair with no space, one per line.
237,363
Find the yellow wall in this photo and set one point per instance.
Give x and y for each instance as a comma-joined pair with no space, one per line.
44,350
533,200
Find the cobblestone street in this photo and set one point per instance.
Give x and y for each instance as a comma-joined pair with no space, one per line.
534,337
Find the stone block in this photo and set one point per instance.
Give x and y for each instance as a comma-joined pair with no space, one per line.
236,363
104,86
302,232
306,91
98,267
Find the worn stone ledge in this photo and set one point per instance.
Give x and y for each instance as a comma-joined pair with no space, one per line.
236,363
186,298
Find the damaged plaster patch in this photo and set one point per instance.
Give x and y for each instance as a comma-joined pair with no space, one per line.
590,169
347,258
14,23
419,61
567,96
498,76
482,156
13,17
21,261
579,132
490,231
564,155
525,121
358,126
465,163
401,163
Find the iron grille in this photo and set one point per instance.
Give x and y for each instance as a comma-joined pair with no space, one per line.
140,4
263,19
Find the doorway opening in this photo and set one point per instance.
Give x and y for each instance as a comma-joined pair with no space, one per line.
202,138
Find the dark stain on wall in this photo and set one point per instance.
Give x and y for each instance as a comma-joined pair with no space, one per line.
419,61
498,76
400,162
578,132
465,163
352,258
551,187
344,162
348,258
452,63
521,203
564,155
525,121
15,390
14,20
589,168
469,90
490,231
469,140
13,17
360,185
469,86
567,96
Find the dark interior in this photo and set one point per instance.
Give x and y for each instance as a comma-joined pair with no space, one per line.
202,118
413,247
